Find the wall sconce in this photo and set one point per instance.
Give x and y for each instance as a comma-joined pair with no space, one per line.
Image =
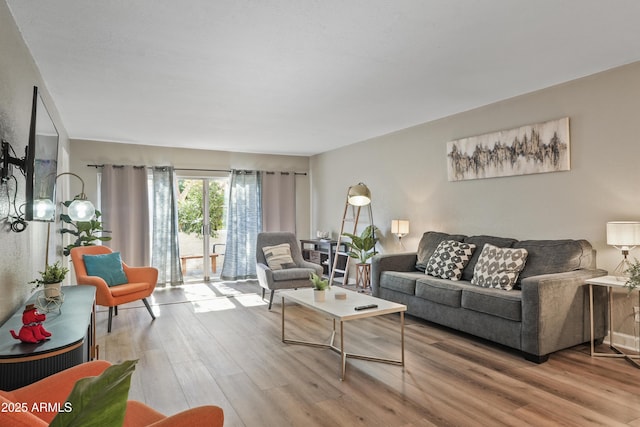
400,227
80,209
623,235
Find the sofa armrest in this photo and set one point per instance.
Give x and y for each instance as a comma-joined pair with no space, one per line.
200,416
103,294
390,262
265,275
55,388
555,311
312,265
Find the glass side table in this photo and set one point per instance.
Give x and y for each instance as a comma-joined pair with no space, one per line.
611,284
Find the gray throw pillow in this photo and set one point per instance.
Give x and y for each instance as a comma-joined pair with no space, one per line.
449,259
428,244
498,267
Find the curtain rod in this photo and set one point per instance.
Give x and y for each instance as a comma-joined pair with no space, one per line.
198,170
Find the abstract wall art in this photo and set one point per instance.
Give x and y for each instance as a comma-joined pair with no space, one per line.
537,148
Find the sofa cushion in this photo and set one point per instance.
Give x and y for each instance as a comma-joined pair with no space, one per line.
479,241
496,302
449,259
441,291
296,273
428,244
498,267
555,256
399,281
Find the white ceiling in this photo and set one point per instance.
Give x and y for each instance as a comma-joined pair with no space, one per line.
305,76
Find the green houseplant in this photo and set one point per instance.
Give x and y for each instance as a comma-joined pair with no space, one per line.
634,276
362,247
51,278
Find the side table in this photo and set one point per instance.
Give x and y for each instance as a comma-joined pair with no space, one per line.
611,283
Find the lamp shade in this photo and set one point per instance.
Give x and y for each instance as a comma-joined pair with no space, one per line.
400,227
81,210
44,209
359,195
623,233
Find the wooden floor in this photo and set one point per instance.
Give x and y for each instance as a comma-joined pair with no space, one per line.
218,344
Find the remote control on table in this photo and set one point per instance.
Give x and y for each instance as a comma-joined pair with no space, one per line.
365,307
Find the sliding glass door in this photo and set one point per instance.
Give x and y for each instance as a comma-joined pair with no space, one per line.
202,206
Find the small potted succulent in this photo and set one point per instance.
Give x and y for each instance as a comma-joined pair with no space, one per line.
51,279
320,287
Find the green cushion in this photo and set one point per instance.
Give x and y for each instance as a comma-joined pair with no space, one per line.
107,266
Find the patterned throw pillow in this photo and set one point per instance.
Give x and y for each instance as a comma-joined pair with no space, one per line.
449,259
279,256
498,267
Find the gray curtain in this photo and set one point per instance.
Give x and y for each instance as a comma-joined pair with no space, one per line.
166,256
125,212
279,201
244,222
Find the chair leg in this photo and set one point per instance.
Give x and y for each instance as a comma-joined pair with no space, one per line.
115,310
262,293
110,317
271,298
146,303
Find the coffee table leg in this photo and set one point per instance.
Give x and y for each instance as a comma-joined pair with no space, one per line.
402,336
282,319
343,355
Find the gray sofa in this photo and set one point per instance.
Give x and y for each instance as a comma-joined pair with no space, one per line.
547,311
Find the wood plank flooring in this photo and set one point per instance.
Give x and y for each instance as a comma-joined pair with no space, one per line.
217,343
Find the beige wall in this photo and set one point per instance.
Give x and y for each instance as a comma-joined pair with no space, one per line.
21,254
406,172
84,153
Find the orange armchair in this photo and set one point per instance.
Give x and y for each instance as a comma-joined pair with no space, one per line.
141,282
31,406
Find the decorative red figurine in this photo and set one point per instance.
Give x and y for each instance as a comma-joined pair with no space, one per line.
32,330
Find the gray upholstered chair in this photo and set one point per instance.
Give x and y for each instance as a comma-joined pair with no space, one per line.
291,276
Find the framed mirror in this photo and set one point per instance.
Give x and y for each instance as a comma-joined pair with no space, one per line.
41,161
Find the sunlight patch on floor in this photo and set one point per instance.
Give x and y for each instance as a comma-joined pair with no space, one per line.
216,304
198,292
250,300
225,289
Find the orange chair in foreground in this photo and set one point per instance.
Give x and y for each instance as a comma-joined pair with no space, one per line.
55,389
140,281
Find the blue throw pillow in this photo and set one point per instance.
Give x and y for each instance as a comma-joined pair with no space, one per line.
107,266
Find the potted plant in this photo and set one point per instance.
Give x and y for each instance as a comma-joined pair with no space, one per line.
320,286
362,248
633,273
51,279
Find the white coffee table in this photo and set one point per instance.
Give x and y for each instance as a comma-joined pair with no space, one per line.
343,310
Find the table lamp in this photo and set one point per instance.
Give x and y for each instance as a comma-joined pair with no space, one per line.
623,235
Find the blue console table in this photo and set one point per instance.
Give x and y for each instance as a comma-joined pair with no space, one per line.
72,340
